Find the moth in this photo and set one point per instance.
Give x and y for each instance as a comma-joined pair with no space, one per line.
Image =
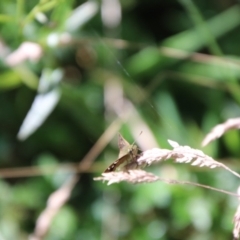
127,156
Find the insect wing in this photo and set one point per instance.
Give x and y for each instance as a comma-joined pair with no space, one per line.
127,154
123,145
116,164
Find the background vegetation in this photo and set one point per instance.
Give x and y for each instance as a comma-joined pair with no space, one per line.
167,68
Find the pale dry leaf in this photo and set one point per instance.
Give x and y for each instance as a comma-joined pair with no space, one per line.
47,98
55,201
111,13
220,129
81,15
236,221
26,51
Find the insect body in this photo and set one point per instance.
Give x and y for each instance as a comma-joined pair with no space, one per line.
126,158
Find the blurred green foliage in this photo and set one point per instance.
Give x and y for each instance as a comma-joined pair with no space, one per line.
176,62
